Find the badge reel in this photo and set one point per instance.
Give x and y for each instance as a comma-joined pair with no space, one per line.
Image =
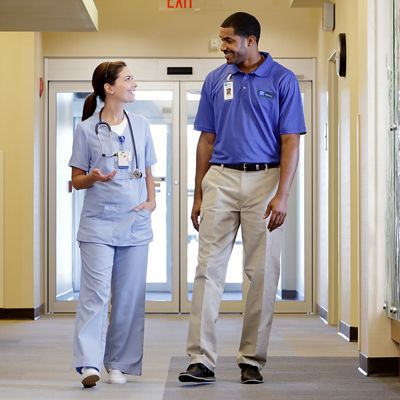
124,159
228,88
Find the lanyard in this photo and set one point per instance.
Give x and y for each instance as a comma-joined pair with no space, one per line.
136,173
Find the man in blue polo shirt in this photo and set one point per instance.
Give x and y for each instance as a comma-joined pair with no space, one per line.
250,117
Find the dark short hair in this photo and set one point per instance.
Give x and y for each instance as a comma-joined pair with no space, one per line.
243,24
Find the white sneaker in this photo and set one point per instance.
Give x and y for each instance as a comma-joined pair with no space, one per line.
89,377
116,376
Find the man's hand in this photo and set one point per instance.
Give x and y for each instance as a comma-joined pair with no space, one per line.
196,213
277,211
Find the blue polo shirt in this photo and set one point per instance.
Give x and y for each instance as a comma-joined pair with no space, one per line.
266,103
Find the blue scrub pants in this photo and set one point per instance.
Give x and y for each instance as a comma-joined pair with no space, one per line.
118,344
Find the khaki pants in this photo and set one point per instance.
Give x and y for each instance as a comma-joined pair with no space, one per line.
232,198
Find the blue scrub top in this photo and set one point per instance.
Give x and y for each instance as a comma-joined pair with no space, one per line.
266,103
108,215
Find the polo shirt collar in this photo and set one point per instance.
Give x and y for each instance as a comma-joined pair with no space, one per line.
262,69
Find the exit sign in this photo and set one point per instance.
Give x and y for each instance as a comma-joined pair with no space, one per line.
178,5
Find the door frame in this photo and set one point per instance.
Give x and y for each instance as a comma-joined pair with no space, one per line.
151,70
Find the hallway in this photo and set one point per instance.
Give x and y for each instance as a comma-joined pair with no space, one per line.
36,355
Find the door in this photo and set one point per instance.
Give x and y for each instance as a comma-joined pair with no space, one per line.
295,285
158,102
170,108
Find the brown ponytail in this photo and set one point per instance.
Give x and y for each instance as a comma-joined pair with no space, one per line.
90,106
106,72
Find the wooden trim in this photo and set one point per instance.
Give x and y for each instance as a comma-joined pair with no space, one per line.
21,313
396,330
381,366
322,312
349,332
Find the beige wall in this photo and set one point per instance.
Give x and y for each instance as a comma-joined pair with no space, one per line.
348,110
347,296
363,110
374,109
38,177
20,129
136,28
127,28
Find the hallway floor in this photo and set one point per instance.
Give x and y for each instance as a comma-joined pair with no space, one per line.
36,360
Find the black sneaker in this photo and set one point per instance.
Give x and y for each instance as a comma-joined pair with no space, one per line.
250,374
197,373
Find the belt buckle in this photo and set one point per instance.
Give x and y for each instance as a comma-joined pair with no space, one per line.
244,167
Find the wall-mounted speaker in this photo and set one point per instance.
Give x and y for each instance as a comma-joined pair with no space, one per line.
328,17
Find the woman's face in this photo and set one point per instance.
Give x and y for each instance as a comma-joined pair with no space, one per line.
124,87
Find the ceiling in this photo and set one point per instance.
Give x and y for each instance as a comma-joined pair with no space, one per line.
48,15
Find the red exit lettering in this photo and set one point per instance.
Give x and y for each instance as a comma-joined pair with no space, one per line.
179,4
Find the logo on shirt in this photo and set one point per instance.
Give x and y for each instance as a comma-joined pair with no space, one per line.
264,93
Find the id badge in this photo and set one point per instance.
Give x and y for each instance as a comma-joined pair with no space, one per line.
228,90
123,158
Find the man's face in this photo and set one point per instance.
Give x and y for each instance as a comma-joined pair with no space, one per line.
233,46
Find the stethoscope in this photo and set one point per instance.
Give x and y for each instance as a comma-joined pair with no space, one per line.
136,172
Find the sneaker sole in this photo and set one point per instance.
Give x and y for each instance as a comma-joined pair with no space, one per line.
194,379
90,381
252,381
116,382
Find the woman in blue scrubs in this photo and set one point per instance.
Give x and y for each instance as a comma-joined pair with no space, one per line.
111,158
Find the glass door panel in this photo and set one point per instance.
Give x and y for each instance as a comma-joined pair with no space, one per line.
232,299
295,284
294,291
158,103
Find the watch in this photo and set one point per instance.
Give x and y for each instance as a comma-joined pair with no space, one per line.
341,55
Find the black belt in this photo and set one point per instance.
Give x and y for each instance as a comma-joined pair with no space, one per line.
248,166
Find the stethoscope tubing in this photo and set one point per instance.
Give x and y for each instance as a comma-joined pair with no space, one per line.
107,125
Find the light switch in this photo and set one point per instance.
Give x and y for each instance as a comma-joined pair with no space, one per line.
213,44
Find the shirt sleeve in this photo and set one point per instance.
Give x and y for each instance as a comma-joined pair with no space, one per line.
80,157
150,154
204,121
291,116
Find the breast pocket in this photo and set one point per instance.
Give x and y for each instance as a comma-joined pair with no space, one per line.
267,99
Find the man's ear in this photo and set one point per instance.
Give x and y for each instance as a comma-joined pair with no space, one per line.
252,41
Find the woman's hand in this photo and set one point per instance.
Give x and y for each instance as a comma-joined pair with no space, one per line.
98,176
148,205
82,180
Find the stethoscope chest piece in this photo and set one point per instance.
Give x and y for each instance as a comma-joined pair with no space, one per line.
136,174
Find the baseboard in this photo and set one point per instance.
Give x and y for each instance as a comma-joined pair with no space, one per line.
379,366
322,312
21,313
350,333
